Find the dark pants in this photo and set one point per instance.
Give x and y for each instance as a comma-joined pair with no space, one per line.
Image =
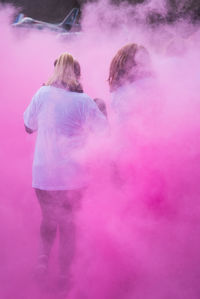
58,213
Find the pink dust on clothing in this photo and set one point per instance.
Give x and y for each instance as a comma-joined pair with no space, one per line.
138,228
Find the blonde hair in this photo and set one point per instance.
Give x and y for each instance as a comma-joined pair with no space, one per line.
65,75
121,67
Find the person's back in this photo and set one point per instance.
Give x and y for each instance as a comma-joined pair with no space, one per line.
63,120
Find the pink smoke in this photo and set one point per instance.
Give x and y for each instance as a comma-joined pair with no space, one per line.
138,225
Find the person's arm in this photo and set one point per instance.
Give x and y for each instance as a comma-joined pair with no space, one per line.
101,105
96,119
31,115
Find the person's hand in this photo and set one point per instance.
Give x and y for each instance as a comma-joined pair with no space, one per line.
28,130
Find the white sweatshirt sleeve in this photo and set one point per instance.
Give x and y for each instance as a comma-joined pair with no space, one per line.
31,113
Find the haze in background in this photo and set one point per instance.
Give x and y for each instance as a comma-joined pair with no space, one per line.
138,232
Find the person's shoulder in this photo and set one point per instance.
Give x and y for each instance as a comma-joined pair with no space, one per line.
83,97
42,90
42,94
48,91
